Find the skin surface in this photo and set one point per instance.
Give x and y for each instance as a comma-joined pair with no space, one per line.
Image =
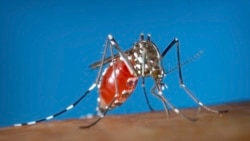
231,126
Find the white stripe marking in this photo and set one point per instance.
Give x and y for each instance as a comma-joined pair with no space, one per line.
19,124
116,101
32,122
138,66
70,107
121,58
98,99
140,59
117,71
92,86
49,117
110,36
88,116
136,55
129,57
160,92
200,103
112,42
176,110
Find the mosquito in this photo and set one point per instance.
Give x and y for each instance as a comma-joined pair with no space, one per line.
118,80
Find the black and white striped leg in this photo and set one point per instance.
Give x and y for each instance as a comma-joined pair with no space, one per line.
176,42
62,111
103,112
76,102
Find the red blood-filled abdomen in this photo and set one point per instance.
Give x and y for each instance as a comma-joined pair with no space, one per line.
126,83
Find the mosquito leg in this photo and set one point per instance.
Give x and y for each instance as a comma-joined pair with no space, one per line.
143,74
166,103
77,101
199,102
101,114
159,95
176,42
122,54
146,95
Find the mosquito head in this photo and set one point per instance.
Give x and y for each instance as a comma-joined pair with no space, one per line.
157,73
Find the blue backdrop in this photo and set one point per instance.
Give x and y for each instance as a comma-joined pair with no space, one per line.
46,47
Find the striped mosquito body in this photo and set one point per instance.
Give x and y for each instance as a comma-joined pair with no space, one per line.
119,79
144,59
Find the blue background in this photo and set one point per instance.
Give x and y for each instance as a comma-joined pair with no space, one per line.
46,47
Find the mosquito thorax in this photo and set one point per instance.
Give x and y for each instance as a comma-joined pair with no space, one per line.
145,58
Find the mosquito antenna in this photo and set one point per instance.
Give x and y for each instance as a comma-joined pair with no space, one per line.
189,60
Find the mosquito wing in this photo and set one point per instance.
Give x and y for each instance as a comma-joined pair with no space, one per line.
97,64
